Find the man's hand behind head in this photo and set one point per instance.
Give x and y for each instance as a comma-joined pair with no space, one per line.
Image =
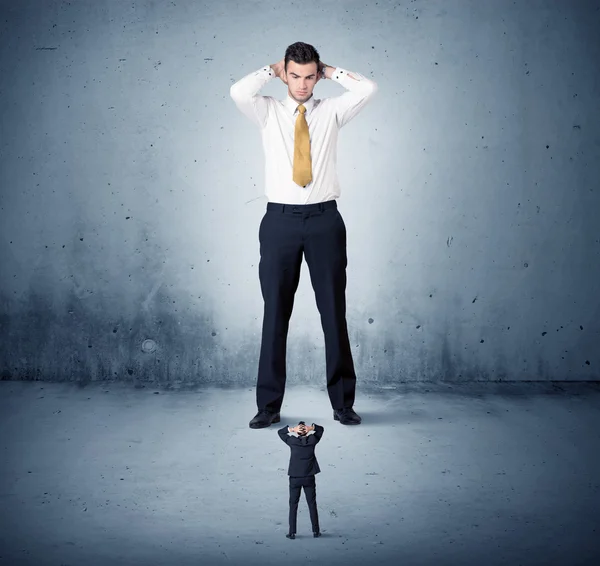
279,70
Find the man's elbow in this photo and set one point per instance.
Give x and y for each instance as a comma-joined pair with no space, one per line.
235,92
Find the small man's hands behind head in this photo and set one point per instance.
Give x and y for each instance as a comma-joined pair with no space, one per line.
302,429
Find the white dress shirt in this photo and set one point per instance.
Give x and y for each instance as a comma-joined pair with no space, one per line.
277,119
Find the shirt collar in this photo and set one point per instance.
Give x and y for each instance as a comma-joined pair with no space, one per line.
292,105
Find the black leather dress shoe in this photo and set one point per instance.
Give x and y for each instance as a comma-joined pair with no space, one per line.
317,534
264,419
291,535
346,416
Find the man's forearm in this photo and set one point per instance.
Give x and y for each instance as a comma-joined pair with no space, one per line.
328,70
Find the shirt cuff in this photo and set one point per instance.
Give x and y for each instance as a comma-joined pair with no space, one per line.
339,74
267,71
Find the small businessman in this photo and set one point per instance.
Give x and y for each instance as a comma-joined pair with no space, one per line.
303,467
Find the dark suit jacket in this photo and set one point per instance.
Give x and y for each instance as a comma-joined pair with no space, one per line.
303,461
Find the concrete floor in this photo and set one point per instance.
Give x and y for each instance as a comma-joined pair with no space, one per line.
477,474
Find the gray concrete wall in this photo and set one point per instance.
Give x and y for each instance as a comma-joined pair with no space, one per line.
131,189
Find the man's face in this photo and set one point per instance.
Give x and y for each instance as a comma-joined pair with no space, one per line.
302,430
301,80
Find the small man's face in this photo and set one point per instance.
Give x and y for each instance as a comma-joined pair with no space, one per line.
302,430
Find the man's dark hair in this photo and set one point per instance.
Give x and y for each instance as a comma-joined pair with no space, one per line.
302,423
301,53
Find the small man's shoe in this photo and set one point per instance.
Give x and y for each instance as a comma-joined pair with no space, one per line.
317,534
264,419
346,416
291,535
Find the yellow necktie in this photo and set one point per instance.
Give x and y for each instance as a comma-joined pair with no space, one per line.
302,163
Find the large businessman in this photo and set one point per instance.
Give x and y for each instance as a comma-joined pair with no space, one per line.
303,467
299,135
